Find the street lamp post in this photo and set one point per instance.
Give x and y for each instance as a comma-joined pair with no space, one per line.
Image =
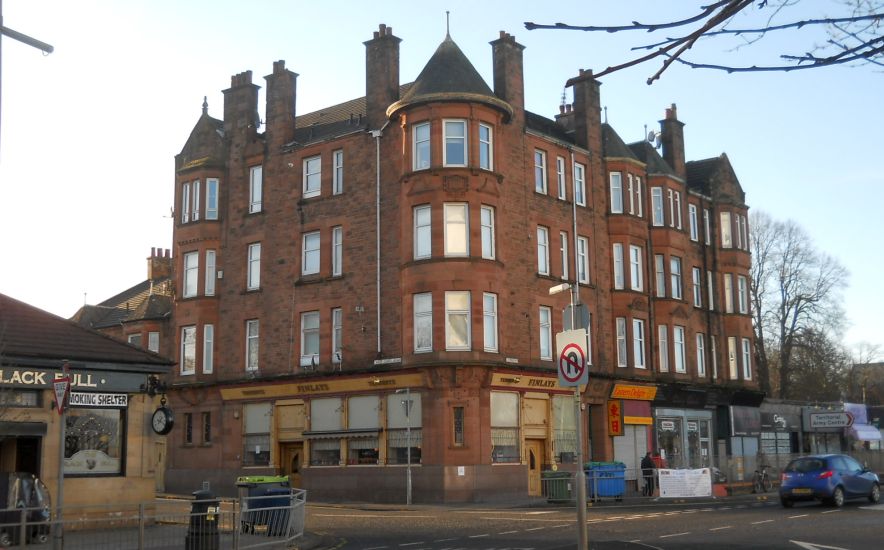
407,405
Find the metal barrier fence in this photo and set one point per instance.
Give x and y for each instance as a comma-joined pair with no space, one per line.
601,484
250,522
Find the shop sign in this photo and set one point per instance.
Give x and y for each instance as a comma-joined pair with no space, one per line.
831,420
779,422
615,417
745,421
667,425
628,391
99,400
35,378
692,426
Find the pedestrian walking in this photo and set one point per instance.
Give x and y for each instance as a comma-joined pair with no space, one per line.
648,466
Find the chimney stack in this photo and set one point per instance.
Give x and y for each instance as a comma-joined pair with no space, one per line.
587,111
282,87
159,264
509,80
381,75
672,138
241,107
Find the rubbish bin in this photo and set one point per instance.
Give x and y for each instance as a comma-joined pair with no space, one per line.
556,486
605,479
202,532
278,501
255,496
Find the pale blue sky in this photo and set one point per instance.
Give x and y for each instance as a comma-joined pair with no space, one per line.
89,133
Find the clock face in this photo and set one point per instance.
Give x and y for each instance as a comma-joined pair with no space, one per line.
162,421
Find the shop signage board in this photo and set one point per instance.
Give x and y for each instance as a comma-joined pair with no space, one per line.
572,357
685,483
831,420
99,400
615,417
630,391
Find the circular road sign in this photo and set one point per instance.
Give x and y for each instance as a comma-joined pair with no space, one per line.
572,363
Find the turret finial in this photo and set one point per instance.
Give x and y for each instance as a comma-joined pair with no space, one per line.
205,105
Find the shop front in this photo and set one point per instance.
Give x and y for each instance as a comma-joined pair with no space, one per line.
824,429
684,426
861,434
631,405
780,431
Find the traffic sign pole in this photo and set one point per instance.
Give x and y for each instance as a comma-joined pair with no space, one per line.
61,396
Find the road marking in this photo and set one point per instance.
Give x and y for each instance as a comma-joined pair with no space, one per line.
814,546
507,532
707,510
376,548
535,529
537,513
411,543
879,507
798,516
725,508
443,540
562,525
478,536
830,511
391,516
720,528
675,535
763,521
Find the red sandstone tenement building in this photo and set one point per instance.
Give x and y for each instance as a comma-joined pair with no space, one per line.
329,264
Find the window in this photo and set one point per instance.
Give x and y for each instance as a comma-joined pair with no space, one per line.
696,279
95,442
256,185
560,178
337,250
564,429
747,359
421,134
337,315
210,273
455,152
188,350
738,234
638,343
153,341
545,324
252,345
621,342
254,276
678,348
745,231
742,294
635,267
542,250
616,193
486,147
326,414
709,290
310,339
457,229
191,273
422,232
583,260
423,322
660,275
404,422
310,253
675,277
134,340
256,434
638,197
713,343
701,354
692,220
208,349
663,344
540,172
630,193
678,210
457,320
563,252
207,428
726,241
457,426
707,227
312,176
185,202
212,199
489,321
618,266
196,201
728,293
732,357
579,184
657,206
674,208
362,413
486,216
505,427
337,172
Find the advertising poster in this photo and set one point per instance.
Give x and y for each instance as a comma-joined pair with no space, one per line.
685,483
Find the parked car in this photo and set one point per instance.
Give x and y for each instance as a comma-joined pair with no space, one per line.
829,478
20,490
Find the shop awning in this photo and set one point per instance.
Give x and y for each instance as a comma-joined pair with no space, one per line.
337,434
864,432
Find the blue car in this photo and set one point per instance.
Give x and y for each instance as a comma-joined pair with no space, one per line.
829,478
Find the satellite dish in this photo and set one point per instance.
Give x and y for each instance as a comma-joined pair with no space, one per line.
652,135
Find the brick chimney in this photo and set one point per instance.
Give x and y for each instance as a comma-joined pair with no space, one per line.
587,111
241,107
159,265
672,138
509,80
565,118
381,75
282,87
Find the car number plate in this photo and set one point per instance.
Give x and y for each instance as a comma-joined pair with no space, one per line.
801,491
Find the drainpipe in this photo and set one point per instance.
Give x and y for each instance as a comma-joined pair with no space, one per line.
377,134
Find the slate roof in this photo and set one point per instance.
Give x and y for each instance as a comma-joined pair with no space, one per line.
145,301
27,332
648,154
612,144
547,127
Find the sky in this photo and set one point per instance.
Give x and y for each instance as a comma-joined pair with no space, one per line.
88,134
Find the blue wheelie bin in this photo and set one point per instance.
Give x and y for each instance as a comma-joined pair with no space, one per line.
606,479
256,495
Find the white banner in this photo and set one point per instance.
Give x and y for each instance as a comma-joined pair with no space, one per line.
685,483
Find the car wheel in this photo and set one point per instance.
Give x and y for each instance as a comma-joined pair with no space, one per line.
786,503
837,499
5,539
40,538
875,495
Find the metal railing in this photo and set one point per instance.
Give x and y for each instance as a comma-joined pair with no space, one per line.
249,522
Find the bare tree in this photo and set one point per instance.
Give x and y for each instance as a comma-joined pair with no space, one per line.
818,368
852,36
795,289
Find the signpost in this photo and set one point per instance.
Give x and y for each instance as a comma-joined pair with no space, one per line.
831,420
62,387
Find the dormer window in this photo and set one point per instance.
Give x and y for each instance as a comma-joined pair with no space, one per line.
421,150
455,143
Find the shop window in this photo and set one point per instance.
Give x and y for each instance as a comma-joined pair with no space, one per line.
404,427
326,415
564,430
505,441
94,442
256,434
13,398
362,414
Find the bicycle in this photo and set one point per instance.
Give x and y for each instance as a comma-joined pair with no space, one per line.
761,481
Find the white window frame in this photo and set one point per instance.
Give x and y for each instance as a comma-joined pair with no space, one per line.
486,147
629,192
616,186
742,294
638,343
692,221
185,202
663,346
421,150
635,268
253,281
540,172
312,176
542,250
423,319
337,172
486,219
710,290
452,312
678,209
209,283
745,233
619,273
212,190
337,252
738,234
311,254
747,359
733,371
671,195
622,353
337,316
560,178
638,197
726,231
583,260
675,277
310,343
253,343
456,229
728,293
697,280
256,188
208,348
188,350
657,219
660,275
579,184
153,341
707,227
563,253
195,213
545,325
713,351
489,322
191,264
423,238
678,348
454,141
701,354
